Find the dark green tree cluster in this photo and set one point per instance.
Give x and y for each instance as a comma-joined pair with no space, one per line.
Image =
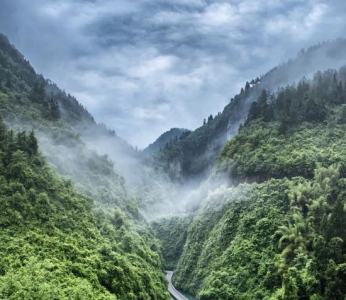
200,150
172,232
282,239
308,101
282,236
56,245
285,134
64,127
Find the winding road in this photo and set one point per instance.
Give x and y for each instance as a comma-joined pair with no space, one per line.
171,289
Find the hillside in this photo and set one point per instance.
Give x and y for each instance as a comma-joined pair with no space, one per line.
55,245
164,140
68,135
278,230
279,138
78,241
75,198
195,155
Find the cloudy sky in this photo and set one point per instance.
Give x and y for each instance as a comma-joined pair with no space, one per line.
144,66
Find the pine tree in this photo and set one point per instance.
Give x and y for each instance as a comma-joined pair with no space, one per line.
54,110
32,143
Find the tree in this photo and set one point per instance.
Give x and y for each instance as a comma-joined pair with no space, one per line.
2,131
37,94
54,110
32,143
294,238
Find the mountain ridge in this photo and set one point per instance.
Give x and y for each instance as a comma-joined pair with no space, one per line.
195,155
275,230
165,138
73,222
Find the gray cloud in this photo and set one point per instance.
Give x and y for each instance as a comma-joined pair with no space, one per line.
143,67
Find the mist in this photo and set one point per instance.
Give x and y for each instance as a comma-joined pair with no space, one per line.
109,169
244,203
156,194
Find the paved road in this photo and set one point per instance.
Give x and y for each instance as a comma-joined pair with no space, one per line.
171,289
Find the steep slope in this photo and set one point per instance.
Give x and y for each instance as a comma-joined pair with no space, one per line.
52,234
67,133
282,239
55,245
279,232
172,232
195,155
164,139
279,138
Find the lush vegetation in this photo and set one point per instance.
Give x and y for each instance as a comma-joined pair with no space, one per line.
55,245
286,133
282,234
277,233
194,155
65,131
282,239
172,232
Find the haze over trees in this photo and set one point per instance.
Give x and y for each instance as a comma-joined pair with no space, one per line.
276,231
61,240
75,198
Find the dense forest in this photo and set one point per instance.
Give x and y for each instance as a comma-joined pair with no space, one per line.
60,239
193,155
74,216
56,245
278,230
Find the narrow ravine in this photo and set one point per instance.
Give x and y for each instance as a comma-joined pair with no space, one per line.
171,289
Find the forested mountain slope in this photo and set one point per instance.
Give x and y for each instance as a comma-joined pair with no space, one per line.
67,133
278,231
194,155
286,133
164,140
56,242
55,245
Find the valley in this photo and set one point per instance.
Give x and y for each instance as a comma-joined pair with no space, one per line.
250,205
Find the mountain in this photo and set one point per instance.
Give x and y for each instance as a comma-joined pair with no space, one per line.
194,156
55,245
267,219
164,139
71,228
277,231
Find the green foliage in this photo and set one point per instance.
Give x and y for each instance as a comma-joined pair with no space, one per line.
259,152
196,154
63,127
56,245
282,239
284,236
172,233
229,253
301,254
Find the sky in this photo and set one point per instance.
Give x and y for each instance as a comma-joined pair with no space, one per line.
145,66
